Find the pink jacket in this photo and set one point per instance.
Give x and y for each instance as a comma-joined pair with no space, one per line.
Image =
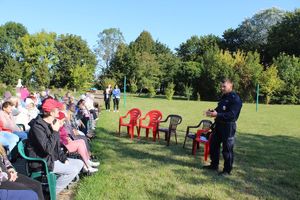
8,121
63,135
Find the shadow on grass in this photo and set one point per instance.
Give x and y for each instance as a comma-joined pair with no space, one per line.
265,166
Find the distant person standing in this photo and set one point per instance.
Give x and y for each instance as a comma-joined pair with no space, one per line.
107,96
226,114
116,93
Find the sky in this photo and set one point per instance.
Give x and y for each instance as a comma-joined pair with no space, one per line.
169,21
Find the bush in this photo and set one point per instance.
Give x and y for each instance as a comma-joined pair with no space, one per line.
188,91
169,92
152,92
107,81
133,88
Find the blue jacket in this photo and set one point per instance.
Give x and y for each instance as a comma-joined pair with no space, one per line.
116,93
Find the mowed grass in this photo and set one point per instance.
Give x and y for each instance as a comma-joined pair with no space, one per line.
267,157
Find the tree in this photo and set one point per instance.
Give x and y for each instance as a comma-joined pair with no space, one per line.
195,47
285,36
270,83
147,71
143,43
252,33
74,57
37,55
289,71
107,43
11,70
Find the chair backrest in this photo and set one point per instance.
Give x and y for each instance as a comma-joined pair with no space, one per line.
175,120
155,116
206,124
21,149
135,114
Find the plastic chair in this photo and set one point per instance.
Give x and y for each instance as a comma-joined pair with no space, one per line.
199,137
134,115
175,120
154,117
51,177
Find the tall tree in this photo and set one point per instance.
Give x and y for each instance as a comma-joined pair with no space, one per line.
143,43
289,71
285,36
195,47
37,55
76,63
107,43
252,33
270,83
10,68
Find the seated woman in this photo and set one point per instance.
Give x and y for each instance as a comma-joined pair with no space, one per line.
17,186
77,146
7,138
8,120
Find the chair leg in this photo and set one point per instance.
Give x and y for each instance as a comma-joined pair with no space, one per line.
184,141
168,139
176,137
206,149
139,132
147,132
198,145
131,130
154,131
119,130
194,147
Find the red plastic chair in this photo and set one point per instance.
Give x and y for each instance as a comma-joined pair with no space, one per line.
199,138
135,114
154,118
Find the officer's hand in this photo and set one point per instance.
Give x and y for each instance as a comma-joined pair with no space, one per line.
213,113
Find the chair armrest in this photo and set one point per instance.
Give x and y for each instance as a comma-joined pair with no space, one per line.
21,126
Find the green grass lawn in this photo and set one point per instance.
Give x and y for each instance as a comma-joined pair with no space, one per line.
267,157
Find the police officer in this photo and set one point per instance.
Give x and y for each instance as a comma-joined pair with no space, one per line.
226,115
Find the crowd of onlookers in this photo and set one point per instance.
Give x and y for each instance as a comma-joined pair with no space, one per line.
51,128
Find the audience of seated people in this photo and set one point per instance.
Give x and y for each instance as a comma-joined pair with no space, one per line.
49,125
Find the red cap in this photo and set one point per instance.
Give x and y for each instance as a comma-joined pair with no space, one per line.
50,104
61,116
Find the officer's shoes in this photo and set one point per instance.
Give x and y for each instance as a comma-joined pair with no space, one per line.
210,167
224,173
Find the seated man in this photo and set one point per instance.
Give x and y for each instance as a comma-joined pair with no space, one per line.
44,143
9,122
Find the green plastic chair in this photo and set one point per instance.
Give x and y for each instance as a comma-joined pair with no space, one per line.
51,177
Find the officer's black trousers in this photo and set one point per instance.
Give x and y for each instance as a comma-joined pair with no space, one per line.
224,134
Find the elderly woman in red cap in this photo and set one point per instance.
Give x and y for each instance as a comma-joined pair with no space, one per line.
44,142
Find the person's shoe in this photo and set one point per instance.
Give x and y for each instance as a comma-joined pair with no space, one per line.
92,170
93,164
224,173
210,167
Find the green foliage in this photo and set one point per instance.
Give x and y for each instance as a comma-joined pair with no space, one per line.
107,81
285,36
133,87
37,54
270,83
289,71
195,47
143,43
169,92
188,91
151,92
74,56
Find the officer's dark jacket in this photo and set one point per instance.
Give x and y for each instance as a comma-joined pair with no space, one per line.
43,142
229,107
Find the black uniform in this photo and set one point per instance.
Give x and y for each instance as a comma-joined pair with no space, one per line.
228,111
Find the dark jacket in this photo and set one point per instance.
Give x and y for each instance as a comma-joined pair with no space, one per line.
43,142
